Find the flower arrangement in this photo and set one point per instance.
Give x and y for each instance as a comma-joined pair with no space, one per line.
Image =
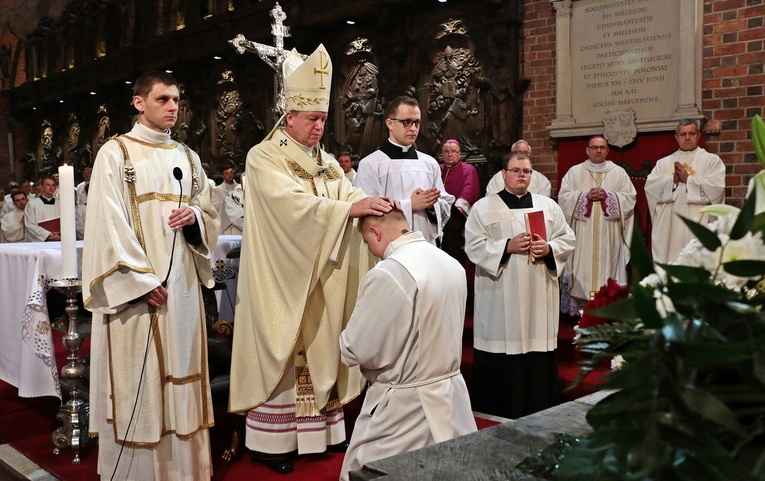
688,403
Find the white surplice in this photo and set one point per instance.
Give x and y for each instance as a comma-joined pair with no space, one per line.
603,229
231,208
539,184
516,303
127,252
706,185
379,176
35,213
406,334
12,225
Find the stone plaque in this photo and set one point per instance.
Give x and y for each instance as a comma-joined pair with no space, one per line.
626,55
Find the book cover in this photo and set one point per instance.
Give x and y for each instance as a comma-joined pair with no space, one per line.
535,224
51,225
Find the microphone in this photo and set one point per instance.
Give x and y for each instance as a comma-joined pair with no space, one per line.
178,174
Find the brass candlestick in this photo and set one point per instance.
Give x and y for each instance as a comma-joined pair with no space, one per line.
73,413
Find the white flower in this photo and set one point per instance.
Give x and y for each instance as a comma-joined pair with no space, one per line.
617,362
664,305
659,278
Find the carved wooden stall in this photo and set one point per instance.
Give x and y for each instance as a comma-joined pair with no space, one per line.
459,59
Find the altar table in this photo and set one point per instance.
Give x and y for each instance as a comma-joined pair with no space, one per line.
27,358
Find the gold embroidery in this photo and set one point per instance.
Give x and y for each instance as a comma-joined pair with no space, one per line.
597,214
169,146
162,197
301,101
299,171
331,174
689,169
322,70
183,380
112,271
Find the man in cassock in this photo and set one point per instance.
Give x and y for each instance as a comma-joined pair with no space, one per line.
231,207
12,223
411,177
41,209
149,335
298,279
515,329
406,334
682,184
346,162
461,181
598,199
539,184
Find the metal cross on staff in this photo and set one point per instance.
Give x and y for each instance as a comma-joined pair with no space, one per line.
273,56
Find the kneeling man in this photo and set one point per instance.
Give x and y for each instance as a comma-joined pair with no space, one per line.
406,335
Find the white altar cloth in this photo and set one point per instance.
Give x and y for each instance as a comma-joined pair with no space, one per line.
27,358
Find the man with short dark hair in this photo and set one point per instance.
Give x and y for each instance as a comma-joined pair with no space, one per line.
12,223
42,209
682,184
82,195
539,184
411,177
598,198
232,204
516,305
406,335
149,332
346,163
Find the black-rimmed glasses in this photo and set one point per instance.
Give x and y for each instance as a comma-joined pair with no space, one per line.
408,122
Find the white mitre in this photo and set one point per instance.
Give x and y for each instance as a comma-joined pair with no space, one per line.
307,82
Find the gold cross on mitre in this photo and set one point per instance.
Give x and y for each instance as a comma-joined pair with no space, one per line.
322,69
273,56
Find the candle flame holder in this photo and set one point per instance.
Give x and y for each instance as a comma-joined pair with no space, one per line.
75,412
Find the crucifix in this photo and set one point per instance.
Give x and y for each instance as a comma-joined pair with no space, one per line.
273,56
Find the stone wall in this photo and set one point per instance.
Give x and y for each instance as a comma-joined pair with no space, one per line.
733,79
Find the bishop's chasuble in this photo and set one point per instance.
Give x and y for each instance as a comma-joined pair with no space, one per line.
126,254
298,281
603,229
706,185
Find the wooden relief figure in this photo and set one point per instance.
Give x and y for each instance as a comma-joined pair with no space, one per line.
72,140
103,129
455,107
362,103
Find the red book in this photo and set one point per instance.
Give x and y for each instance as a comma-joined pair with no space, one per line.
51,225
535,224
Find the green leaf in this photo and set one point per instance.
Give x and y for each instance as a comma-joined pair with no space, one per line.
645,306
622,310
706,354
758,138
710,408
708,238
686,273
745,268
759,222
745,218
640,258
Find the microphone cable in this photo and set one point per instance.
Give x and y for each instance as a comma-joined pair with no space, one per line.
178,174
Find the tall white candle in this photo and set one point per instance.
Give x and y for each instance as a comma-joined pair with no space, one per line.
68,228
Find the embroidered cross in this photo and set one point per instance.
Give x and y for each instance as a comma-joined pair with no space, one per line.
283,143
322,71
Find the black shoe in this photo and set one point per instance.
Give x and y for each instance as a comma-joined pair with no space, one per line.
338,448
281,466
